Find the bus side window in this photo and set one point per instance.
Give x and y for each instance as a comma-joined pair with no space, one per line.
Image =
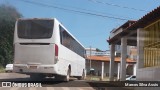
64,37
68,41
61,34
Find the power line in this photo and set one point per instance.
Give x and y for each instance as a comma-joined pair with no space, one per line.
77,11
100,2
89,10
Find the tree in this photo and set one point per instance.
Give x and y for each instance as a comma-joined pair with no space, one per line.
98,50
8,16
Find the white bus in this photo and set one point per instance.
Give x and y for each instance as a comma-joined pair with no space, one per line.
43,47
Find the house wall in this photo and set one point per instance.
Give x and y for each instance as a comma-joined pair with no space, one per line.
151,69
97,66
152,45
97,53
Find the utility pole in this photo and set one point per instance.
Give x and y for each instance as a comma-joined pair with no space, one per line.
90,66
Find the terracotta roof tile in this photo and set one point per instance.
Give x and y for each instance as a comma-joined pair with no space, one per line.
145,20
107,59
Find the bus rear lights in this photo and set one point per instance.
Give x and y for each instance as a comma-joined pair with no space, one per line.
56,50
56,53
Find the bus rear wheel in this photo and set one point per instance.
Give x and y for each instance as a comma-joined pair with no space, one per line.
64,78
82,77
67,77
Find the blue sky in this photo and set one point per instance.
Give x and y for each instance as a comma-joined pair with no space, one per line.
90,30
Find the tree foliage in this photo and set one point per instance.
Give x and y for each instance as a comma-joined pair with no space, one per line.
8,16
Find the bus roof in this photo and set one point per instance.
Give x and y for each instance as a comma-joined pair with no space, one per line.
35,18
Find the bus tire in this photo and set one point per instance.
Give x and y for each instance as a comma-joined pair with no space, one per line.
82,77
67,77
63,78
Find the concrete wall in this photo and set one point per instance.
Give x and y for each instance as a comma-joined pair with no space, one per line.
148,74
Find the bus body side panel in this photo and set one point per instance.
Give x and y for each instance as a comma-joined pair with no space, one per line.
34,58
61,64
67,57
40,54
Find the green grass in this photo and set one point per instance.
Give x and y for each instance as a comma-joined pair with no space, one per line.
2,70
96,78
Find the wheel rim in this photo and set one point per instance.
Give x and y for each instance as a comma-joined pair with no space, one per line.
83,75
68,75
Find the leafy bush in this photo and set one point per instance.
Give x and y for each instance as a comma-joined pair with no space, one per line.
8,16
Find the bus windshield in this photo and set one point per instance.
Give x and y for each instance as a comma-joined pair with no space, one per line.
35,29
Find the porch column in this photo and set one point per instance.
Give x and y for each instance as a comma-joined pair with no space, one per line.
111,68
134,69
102,74
123,59
118,71
140,49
